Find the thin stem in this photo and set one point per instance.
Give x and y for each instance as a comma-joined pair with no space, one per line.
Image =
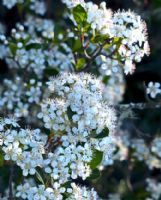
95,54
139,106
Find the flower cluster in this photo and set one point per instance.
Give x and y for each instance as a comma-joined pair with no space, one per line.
74,192
132,29
23,146
154,188
38,26
18,97
139,149
38,6
83,103
113,77
125,29
28,191
79,113
25,50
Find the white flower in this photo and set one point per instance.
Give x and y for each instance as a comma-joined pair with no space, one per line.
82,193
154,188
100,17
132,29
72,3
9,3
153,89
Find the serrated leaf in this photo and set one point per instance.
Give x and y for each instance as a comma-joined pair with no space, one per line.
97,158
79,15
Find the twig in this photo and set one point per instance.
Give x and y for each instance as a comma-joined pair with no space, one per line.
95,54
139,106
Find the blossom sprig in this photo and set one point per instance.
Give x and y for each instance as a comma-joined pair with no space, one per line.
73,116
73,192
125,31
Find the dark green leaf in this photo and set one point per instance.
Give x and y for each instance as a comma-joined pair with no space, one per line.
51,71
75,45
1,159
94,175
97,158
34,46
13,48
99,38
105,79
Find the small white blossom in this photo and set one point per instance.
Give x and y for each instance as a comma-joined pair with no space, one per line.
153,89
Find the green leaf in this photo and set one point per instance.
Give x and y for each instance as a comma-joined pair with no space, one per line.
105,79
94,175
97,158
13,48
103,134
75,45
80,63
51,71
99,38
1,159
39,177
86,27
80,15
67,184
117,41
34,46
